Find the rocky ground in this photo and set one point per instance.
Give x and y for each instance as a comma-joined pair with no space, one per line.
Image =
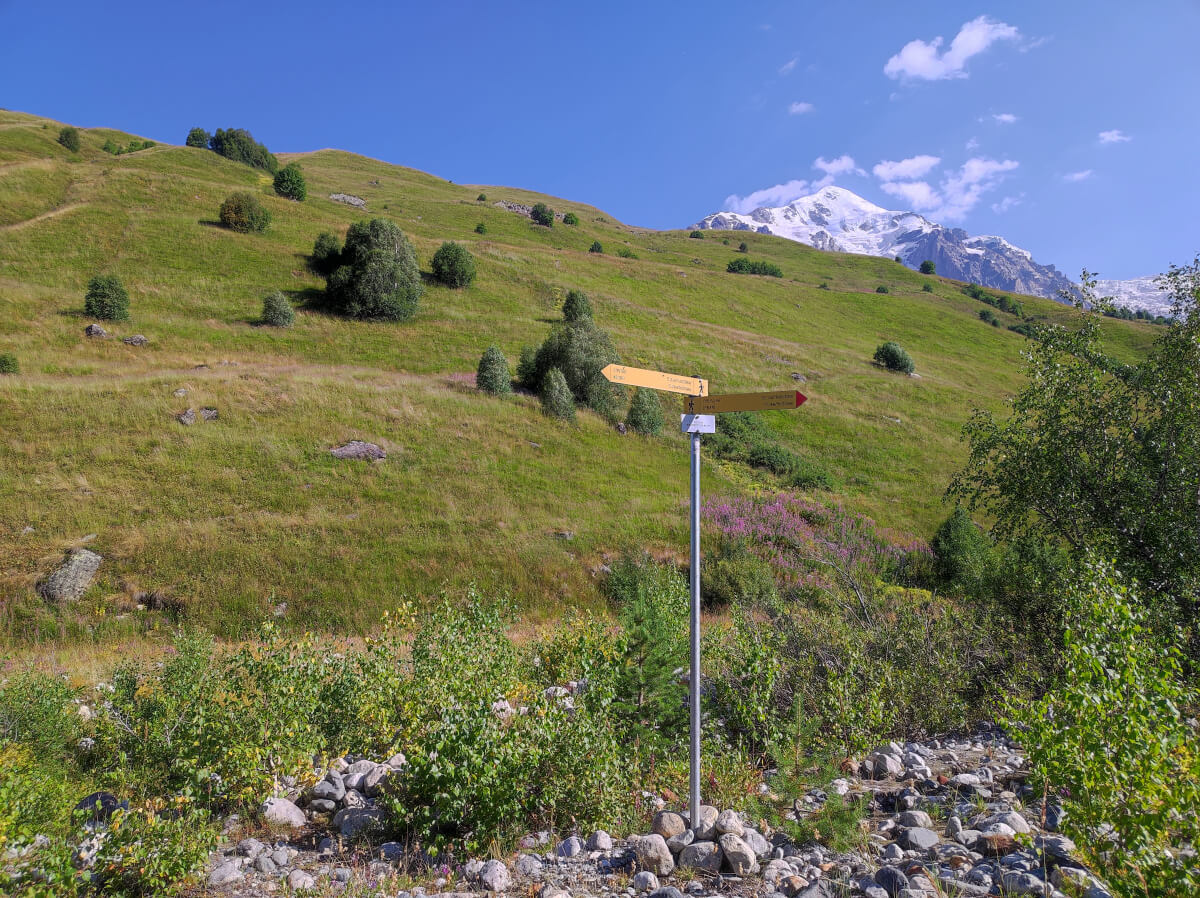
944,818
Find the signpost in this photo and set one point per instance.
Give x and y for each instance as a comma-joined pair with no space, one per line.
699,411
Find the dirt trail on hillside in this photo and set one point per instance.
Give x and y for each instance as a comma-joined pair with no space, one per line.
51,214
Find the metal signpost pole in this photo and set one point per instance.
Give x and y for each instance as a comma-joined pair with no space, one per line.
694,678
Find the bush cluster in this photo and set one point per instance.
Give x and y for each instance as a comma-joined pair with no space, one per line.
374,275
746,266
893,357
576,306
199,138
570,218
106,298
277,310
626,253
492,375
928,267
69,138
290,184
8,363
645,412
557,400
542,215
453,265
242,212
697,235
132,147
999,301
882,289
744,437
578,350
596,247
239,145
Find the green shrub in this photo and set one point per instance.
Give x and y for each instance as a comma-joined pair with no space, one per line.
745,266
988,316
735,574
492,375
37,711
898,259
542,215
928,267
199,138
596,247
557,400
882,289
893,357
326,255
106,298
645,412
8,363
453,265
290,183
571,219
576,307
69,138
697,235
961,550
579,350
482,198
377,277
1112,738
824,285
240,146
626,253
527,370
807,475
110,147
927,287
743,248
277,311
481,228
242,212
150,850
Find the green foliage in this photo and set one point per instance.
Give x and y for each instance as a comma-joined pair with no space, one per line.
999,301
542,215
576,307
1111,737
198,137
735,575
579,350
571,218
481,228
242,212
882,289
893,357
988,316
492,375
745,266
1101,455
898,259
377,277
132,147
961,550
69,138
824,285
8,363
557,401
744,437
928,267
290,184
626,253
150,850
106,298
454,265
927,287
645,412
527,370
326,255
482,198
36,710
697,235
596,247
277,310
239,145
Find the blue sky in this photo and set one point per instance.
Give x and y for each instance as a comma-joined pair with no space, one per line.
1069,128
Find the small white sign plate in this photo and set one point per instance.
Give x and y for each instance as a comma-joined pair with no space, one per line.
698,423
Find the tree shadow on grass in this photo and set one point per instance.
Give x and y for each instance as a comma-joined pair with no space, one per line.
311,299
210,223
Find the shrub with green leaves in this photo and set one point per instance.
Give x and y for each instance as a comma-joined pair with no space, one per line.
743,247
492,375
1113,739
8,363
927,287
746,266
527,373
697,235
735,574
377,275
453,265
596,247
962,551
571,219
106,298
482,198
69,138
277,310
290,184
576,306
882,289
645,412
149,850
893,357
242,212
579,350
557,401
542,215
928,267
326,255
198,138
626,253
481,228
239,145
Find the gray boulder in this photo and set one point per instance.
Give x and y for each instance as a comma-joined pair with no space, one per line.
891,880
357,449
570,847
300,881
729,823
528,865
494,876
681,841
281,812
666,892
187,417
705,856
136,340
644,881
757,842
653,854
95,330
230,871
668,824
71,579
739,858
599,841
705,823
916,818
918,838
374,781
352,821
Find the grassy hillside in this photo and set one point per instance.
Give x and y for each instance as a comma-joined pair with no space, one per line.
235,516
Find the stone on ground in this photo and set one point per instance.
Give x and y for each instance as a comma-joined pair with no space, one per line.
281,812
739,858
668,824
653,854
494,876
357,449
704,856
71,579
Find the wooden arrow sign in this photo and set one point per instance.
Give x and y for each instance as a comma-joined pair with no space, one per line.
743,402
656,380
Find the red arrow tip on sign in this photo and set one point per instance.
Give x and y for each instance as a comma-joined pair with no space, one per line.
800,399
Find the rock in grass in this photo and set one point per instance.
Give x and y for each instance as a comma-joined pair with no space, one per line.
357,449
70,580
299,881
100,806
208,414
653,854
351,821
599,841
95,330
136,340
570,847
187,417
282,812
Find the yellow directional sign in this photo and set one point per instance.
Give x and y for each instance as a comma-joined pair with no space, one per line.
742,402
656,380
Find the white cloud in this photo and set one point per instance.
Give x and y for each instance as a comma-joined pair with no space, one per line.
1076,176
972,144
905,169
1007,203
789,65
922,61
799,108
842,165
1114,136
779,195
1005,118
919,195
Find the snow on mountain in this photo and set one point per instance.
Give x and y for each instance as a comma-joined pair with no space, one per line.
1137,294
838,220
